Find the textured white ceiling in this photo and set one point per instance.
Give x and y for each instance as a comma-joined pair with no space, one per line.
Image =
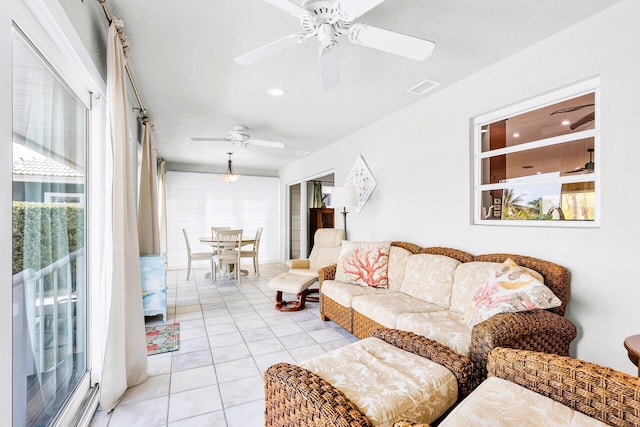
182,62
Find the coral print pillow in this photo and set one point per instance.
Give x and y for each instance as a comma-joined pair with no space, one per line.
364,263
510,288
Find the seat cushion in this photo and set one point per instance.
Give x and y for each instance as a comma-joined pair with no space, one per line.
447,327
290,283
343,293
387,383
384,309
500,403
310,272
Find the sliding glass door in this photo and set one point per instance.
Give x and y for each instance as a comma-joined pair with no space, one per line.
50,134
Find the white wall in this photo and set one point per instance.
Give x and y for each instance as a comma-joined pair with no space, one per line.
420,158
198,201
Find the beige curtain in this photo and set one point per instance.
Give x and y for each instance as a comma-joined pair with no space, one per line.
162,188
148,228
125,357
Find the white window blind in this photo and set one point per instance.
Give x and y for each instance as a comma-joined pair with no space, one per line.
199,201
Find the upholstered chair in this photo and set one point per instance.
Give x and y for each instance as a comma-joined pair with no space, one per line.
326,250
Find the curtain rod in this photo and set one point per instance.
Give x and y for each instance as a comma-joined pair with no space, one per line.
143,110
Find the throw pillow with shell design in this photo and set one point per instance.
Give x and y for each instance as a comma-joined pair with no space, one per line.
510,288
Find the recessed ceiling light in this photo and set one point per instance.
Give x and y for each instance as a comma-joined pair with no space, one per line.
276,91
516,134
566,122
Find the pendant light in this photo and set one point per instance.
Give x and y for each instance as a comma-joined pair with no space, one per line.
229,176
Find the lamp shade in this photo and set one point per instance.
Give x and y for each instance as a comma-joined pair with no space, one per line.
344,197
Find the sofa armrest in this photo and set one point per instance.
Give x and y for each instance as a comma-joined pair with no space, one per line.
295,396
537,330
298,263
602,393
459,365
327,273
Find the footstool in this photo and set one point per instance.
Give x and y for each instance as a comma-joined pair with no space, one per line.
372,382
293,284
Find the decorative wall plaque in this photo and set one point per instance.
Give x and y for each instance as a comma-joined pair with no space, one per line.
361,178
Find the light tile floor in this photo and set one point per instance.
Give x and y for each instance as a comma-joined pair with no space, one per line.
229,335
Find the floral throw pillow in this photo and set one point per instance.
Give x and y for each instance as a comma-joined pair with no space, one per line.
364,263
510,288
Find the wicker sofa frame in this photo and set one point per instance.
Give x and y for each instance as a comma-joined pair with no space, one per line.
294,396
538,330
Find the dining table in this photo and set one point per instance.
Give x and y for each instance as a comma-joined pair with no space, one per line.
211,241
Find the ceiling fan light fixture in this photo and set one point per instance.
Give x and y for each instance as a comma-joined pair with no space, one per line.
229,176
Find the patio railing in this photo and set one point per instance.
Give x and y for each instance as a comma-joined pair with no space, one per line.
46,333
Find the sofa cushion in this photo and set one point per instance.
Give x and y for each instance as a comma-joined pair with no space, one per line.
387,383
364,263
429,278
510,288
343,293
384,309
469,278
447,327
397,261
500,403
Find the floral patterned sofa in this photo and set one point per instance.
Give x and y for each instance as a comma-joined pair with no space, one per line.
437,292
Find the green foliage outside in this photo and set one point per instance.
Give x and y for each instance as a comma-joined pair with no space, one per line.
513,208
44,233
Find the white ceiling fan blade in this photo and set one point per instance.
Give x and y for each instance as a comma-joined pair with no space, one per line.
255,149
210,139
330,67
270,49
390,41
352,9
287,6
264,143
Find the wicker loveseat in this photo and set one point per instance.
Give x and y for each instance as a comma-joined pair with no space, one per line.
540,330
532,388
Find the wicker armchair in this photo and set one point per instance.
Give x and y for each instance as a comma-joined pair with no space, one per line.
538,330
604,394
295,396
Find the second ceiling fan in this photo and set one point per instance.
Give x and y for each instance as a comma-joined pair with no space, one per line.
239,137
328,19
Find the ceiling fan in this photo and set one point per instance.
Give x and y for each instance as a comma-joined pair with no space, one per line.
239,137
573,125
328,19
588,167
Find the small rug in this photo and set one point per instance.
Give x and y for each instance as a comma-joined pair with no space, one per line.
163,338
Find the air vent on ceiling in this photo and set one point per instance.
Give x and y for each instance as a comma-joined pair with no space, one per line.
423,87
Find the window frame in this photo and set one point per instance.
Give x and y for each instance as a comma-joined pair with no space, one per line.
591,85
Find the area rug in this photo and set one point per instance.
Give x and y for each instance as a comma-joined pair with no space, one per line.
163,338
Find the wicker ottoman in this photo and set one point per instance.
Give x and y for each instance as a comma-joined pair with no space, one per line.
292,284
371,382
